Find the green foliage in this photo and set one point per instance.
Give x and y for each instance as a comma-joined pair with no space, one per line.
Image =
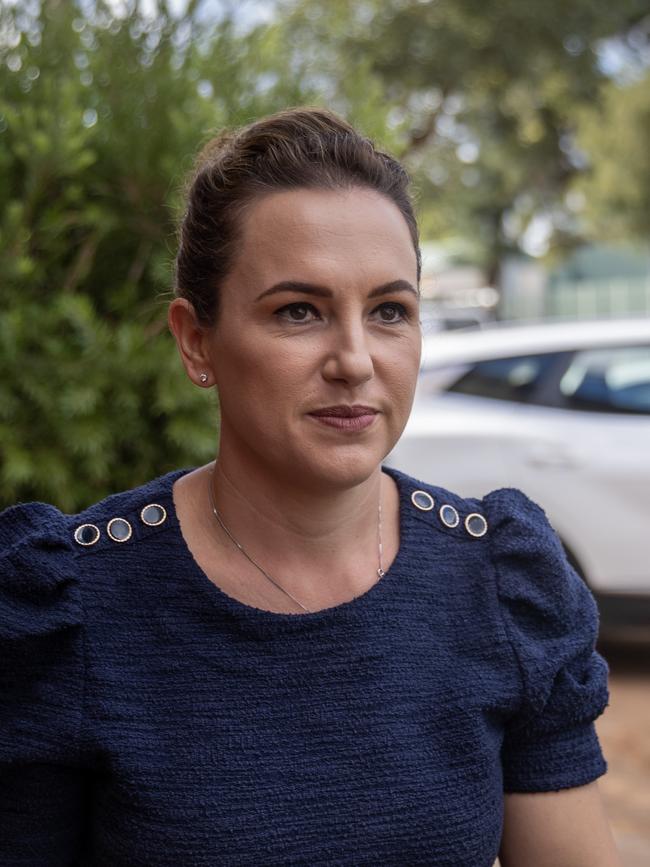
614,135
481,96
100,118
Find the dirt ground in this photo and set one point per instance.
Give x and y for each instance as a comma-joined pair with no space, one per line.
624,731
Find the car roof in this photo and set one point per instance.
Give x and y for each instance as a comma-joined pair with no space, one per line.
502,339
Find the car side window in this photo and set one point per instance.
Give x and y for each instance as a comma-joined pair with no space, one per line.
515,378
614,380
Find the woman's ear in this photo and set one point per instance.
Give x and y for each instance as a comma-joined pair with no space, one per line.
192,340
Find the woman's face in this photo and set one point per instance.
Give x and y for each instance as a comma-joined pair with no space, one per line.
319,318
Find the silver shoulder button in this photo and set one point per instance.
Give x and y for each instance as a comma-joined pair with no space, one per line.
476,525
449,516
87,534
119,529
422,501
153,514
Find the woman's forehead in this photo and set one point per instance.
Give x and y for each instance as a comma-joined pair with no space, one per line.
323,229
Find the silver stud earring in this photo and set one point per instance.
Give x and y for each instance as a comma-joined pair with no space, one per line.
204,377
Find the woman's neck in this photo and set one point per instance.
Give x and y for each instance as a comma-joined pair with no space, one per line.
323,548
307,514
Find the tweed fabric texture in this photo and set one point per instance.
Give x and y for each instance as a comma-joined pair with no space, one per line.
147,718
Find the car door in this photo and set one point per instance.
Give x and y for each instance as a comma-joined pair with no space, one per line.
571,429
469,423
589,463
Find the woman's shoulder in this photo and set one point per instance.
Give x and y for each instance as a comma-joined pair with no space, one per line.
537,584
503,515
39,543
124,516
512,534
439,509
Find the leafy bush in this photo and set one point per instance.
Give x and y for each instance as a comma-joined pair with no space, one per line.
100,116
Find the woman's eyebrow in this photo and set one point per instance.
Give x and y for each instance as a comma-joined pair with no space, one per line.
324,292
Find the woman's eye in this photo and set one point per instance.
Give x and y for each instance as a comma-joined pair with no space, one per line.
391,312
296,312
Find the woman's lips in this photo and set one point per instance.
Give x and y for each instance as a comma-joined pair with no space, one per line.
349,419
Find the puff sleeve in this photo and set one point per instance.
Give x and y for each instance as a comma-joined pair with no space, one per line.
551,621
41,690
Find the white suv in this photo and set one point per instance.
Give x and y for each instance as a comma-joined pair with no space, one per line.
560,410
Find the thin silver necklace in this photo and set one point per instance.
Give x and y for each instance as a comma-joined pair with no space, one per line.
380,571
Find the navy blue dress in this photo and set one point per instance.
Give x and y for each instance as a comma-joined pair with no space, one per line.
147,718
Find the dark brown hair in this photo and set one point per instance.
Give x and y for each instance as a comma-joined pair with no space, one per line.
299,147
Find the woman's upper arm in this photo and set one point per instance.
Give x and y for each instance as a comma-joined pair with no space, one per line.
550,754
42,780
566,828
550,619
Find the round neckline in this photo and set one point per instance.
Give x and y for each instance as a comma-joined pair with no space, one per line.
201,583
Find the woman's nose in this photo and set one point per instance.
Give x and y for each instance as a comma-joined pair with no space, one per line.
349,359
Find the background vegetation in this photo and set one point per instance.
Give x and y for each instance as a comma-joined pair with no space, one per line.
506,111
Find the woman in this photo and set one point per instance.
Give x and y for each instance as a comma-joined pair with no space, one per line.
292,655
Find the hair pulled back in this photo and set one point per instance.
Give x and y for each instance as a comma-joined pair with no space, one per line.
299,147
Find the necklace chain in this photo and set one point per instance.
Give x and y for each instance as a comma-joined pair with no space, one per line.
380,571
